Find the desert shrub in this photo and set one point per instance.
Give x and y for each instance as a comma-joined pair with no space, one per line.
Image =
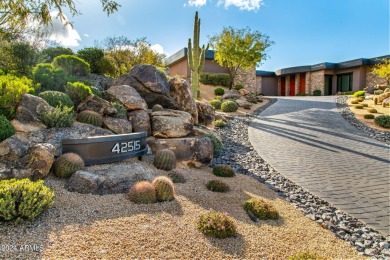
238,87
229,106
251,98
165,159
358,106
385,104
77,91
68,163
50,78
106,66
215,79
24,199
96,91
369,116
223,171
90,117
121,110
157,107
360,93
72,65
6,128
56,98
11,90
301,94
360,99
306,256
216,224
383,121
93,56
317,92
261,209
355,101
375,101
216,104
378,92
177,176
58,117
48,54
220,123
217,186
365,105
165,190
217,145
219,91
372,110
218,98
142,192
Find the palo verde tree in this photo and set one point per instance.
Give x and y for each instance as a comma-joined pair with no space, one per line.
196,57
239,49
382,70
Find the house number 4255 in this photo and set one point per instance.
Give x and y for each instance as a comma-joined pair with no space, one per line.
126,147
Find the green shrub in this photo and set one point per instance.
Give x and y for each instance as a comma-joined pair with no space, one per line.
77,91
90,117
217,186
301,94
219,91
11,90
369,116
317,92
306,256
6,128
51,52
72,65
365,105
223,171
93,56
165,159
67,164
229,106
50,78
157,107
165,190
58,117
372,110
216,104
122,112
218,98
358,106
354,102
56,98
142,192
360,93
177,176
383,121
217,145
215,79
220,123
360,99
251,98
96,91
261,209
238,87
24,199
378,92
216,224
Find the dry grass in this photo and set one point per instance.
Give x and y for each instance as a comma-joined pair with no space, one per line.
82,226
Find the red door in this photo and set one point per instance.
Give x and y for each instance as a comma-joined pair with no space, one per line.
292,85
283,86
302,83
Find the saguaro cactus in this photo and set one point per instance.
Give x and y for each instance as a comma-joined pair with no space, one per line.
196,56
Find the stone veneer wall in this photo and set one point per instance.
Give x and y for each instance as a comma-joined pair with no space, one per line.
372,79
317,81
279,85
259,85
297,78
287,85
247,78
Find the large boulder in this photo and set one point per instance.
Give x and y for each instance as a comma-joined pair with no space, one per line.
127,96
231,94
171,123
140,121
108,178
98,105
180,91
150,83
195,148
39,160
243,103
117,125
206,113
99,81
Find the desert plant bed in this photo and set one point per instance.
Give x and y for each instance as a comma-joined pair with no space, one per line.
85,226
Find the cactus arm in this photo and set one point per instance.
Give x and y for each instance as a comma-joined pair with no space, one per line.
190,54
203,58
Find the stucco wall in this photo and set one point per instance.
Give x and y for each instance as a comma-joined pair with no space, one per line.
180,69
269,86
210,66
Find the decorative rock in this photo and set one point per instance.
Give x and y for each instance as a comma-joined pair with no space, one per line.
140,121
27,127
84,182
200,130
231,94
150,83
117,125
181,93
98,105
39,159
243,103
99,81
171,123
243,92
127,96
206,113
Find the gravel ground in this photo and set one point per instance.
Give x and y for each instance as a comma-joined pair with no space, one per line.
83,226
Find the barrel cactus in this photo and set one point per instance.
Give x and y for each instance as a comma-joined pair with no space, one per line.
142,192
165,160
165,191
229,106
67,164
177,176
6,128
157,107
90,117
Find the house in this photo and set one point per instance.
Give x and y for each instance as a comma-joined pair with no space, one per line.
327,77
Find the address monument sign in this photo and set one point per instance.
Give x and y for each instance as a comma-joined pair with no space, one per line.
107,148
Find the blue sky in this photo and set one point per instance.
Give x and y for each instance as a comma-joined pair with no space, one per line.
305,32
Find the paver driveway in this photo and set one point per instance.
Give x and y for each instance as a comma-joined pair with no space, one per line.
307,140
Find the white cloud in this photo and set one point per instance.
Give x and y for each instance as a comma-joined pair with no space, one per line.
86,35
157,48
248,5
197,3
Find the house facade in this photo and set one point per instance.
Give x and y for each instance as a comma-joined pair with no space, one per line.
329,78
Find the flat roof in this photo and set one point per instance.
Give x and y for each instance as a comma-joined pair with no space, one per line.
182,54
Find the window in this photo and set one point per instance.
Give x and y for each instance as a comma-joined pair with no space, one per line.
344,82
